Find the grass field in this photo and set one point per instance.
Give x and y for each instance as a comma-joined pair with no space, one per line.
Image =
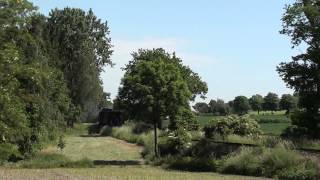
114,173
273,128
97,148
271,123
104,149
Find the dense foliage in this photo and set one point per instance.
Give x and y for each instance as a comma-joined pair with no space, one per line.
279,162
301,23
239,125
158,87
241,105
256,102
271,102
36,99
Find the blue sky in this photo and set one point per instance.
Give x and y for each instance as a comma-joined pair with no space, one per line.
235,46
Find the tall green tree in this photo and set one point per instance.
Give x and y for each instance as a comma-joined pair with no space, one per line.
81,44
201,107
271,102
156,86
212,106
241,105
34,98
256,102
288,102
301,23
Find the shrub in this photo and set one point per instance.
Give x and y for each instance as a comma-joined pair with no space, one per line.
239,125
141,127
192,164
280,161
106,131
175,142
305,171
244,163
8,152
208,149
295,132
220,126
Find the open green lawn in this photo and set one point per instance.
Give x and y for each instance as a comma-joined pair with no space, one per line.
104,149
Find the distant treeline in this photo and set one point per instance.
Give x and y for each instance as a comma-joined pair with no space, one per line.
49,72
242,104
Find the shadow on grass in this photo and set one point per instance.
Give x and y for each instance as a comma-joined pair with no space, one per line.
117,162
90,135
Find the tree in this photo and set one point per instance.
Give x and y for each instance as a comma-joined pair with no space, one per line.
34,101
288,102
201,107
80,44
301,23
256,102
156,87
212,105
241,105
271,102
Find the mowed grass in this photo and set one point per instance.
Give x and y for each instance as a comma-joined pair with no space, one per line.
273,128
114,173
97,148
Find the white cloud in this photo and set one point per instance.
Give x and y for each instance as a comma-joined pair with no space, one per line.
122,55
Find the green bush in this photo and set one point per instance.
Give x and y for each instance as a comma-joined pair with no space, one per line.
205,148
295,132
141,127
175,142
192,164
305,171
8,152
280,162
244,163
239,125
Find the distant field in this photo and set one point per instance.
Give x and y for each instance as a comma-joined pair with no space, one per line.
271,123
273,128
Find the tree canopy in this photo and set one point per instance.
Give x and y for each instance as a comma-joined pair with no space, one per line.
288,102
241,105
256,102
301,24
157,86
36,99
271,102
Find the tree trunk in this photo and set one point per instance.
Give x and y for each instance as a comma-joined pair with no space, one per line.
155,139
258,111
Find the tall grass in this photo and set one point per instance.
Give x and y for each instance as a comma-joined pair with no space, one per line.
280,161
125,133
50,160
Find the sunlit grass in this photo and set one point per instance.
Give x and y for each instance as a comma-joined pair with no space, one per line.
114,173
97,148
